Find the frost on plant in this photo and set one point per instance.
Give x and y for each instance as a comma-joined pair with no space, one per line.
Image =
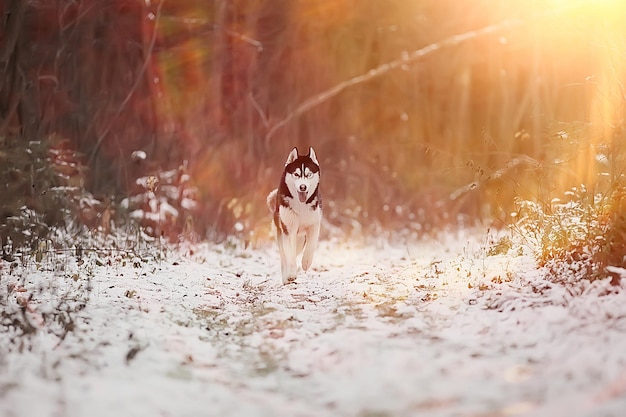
164,203
581,236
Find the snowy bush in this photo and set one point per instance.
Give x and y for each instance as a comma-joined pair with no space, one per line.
163,204
42,188
583,237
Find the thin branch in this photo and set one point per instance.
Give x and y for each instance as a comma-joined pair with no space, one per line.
509,166
203,24
253,42
259,110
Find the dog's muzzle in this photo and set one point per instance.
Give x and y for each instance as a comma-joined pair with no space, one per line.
302,193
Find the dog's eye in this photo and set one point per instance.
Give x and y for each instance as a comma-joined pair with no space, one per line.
309,175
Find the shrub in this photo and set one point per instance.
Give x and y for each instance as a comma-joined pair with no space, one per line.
578,238
42,188
28,206
163,204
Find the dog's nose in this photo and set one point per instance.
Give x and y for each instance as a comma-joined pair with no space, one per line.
302,187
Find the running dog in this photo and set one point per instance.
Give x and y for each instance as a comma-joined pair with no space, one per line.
297,208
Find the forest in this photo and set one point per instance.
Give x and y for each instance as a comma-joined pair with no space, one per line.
175,118
472,256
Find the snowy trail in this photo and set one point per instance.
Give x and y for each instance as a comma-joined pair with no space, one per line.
435,328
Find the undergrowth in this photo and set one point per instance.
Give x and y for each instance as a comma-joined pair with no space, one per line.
44,290
575,219
582,236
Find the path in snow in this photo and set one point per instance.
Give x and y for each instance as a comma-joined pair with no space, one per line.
435,328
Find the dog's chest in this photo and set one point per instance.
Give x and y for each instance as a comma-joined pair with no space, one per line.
298,215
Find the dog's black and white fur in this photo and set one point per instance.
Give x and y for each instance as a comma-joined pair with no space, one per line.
297,208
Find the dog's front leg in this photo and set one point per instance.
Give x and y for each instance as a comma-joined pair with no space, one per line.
313,234
283,241
289,268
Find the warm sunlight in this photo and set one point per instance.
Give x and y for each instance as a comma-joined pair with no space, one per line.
249,208
599,27
505,100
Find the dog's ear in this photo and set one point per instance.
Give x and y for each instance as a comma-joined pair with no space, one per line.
312,155
293,155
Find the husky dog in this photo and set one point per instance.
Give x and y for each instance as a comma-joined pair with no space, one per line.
297,208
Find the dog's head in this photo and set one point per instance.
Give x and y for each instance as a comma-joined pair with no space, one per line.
302,174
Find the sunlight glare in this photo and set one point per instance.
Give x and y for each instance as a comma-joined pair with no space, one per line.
593,33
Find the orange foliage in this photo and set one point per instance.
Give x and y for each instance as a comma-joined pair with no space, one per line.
457,134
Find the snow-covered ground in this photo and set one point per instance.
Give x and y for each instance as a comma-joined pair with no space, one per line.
430,328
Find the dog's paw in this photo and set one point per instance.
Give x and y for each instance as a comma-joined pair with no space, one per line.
289,272
289,279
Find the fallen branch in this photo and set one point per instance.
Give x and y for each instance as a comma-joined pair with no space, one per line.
406,59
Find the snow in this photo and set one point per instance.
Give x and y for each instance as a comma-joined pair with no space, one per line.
435,327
